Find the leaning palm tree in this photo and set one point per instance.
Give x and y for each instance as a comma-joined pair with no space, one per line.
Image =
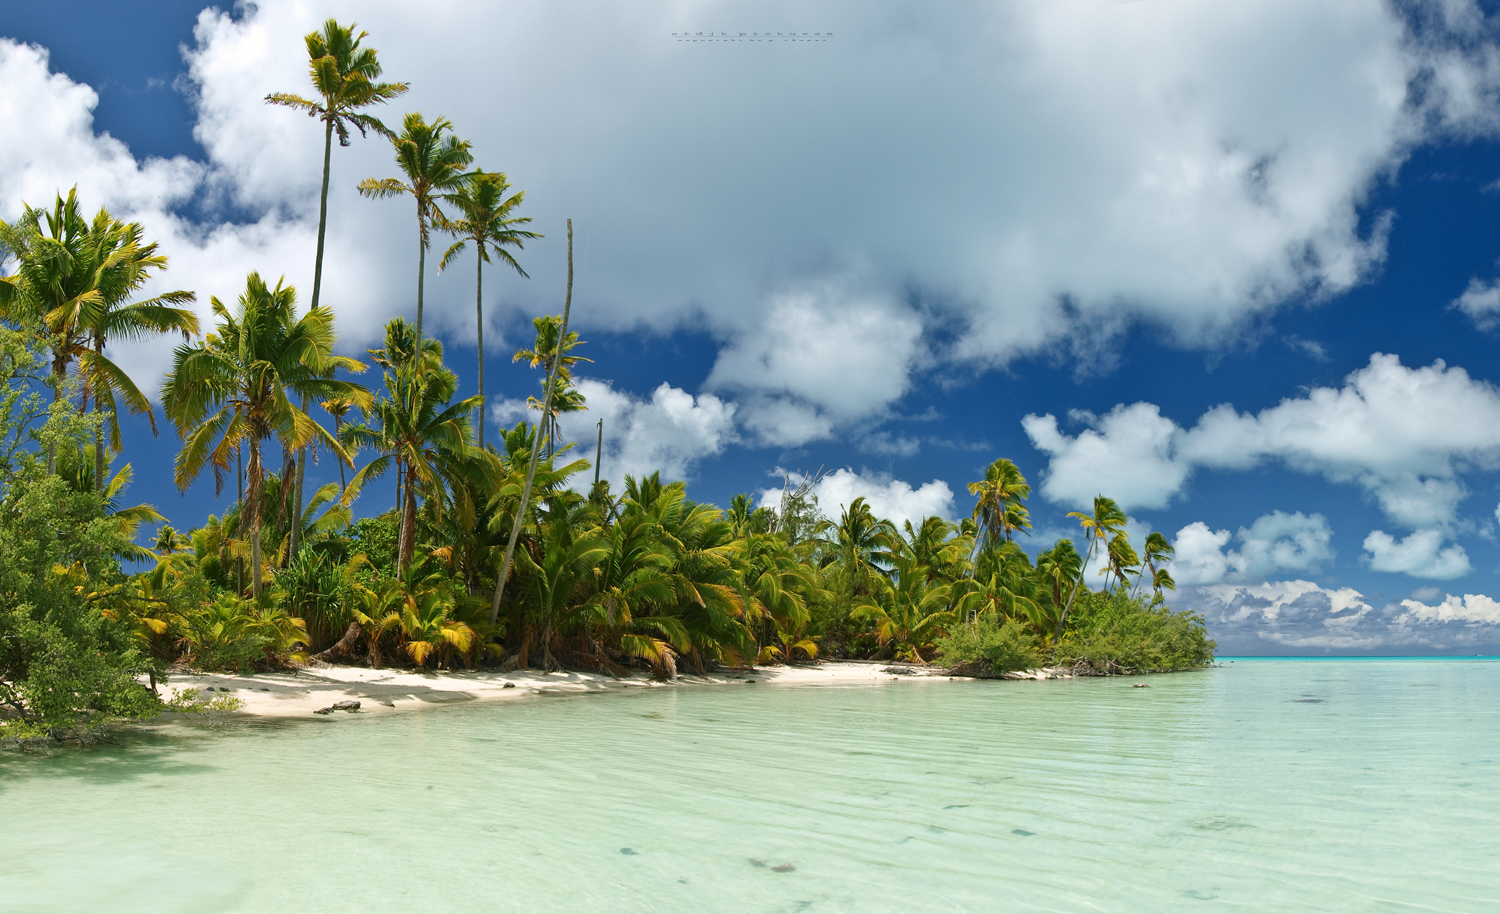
344,75
1106,520
487,218
232,390
433,161
536,446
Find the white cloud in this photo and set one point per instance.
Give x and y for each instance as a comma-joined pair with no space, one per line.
1481,302
1402,434
892,499
670,432
1030,173
1421,555
1275,542
1302,616
1126,455
1468,608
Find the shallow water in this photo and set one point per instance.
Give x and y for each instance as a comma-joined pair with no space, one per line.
1271,786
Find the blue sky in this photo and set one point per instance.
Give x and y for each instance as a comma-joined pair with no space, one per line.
881,254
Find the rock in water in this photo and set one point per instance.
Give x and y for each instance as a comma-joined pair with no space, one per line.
349,705
509,685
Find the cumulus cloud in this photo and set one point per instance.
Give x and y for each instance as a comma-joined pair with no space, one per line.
1056,200
670,431
1401,434
1468,608
1421,555
1299,616
1275,542
892,499
1481,302
1127,454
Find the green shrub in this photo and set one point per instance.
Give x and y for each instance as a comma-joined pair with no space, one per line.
993,647
1114,633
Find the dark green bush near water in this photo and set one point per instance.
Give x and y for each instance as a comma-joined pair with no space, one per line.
990,647
1115,633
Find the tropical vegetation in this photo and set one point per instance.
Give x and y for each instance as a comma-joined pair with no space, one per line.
473,551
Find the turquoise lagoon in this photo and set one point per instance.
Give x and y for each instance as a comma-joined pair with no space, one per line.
1364,786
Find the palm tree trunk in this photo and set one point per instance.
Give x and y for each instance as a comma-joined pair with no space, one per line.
239,558
536,444
59,375
400,511
409,522
252,502
479,328
296,520
421,276
99,432
322,212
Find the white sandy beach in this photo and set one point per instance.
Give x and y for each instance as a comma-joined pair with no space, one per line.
302,692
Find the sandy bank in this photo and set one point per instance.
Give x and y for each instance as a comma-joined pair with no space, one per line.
300,693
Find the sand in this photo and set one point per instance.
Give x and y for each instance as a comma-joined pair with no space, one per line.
300,693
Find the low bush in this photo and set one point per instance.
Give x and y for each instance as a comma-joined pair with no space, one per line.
1115,633
989,647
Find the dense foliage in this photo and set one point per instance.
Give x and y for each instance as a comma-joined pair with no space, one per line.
644,578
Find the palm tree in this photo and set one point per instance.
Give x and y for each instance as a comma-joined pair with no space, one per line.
1158,550
1001,492
344,75
543,354
908,613
111,319
72,282
863,547
1106,520
416,427
232,390
433,161
486,218
536,446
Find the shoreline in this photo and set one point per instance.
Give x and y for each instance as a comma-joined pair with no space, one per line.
301,693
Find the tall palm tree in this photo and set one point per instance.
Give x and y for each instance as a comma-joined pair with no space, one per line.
1106,520
863,547
344,76
232,390
415,426
487,218
433,161
536,446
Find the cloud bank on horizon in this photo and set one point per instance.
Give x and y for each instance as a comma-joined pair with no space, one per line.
979,184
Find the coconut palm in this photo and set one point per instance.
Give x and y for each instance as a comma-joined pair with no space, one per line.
907,614
520,516
1158,550
433,161
543,354
1106,520
999,511
415,426
486,217
862,547
232,389
111,318
72,280
344,76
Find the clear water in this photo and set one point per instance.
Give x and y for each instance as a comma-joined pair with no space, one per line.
1360,787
